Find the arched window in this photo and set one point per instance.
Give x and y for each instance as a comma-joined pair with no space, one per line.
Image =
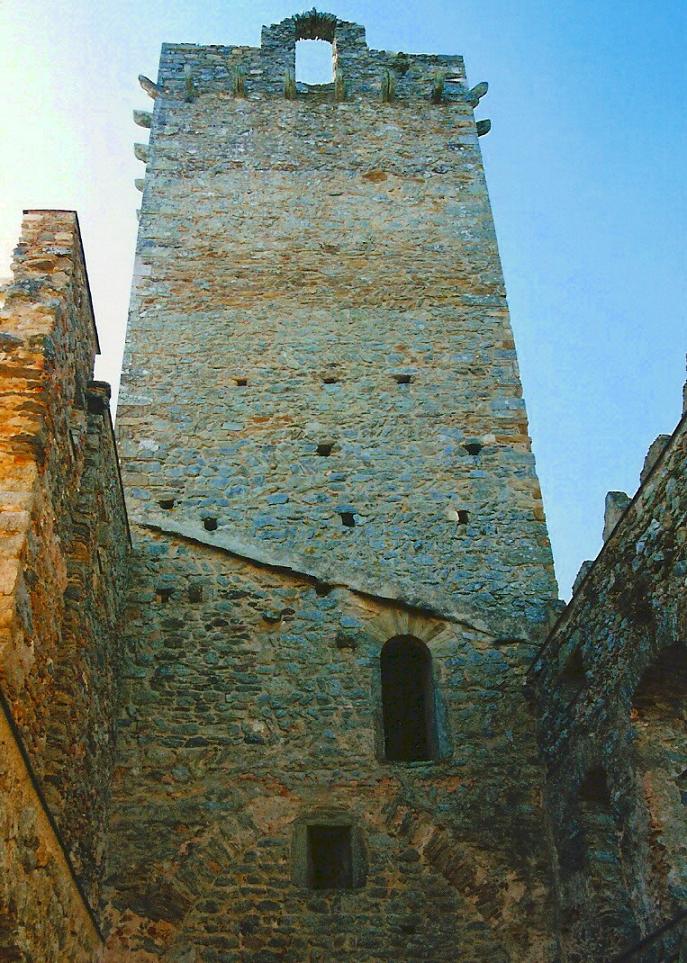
314,62
315,47
408,700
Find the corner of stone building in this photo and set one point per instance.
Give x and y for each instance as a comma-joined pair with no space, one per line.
63,556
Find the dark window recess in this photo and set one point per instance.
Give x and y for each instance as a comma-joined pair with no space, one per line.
166,503
594,789
662,690
473,447
330,380
347,519
408,700
463,516
242,382
330,861
573,674
210,524
195,593
403,379
325,448
164,594
322,588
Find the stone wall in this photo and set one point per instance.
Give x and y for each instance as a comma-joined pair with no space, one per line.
319,354
325,447
251,702
63,537
611,685
43,914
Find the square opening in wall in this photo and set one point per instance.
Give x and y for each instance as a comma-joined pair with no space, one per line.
330,860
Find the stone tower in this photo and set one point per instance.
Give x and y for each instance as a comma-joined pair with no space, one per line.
341,565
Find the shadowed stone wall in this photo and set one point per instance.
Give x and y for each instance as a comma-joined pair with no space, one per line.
611,685
63,548
324,446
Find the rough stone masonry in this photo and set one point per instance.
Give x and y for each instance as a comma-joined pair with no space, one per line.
341,732
325,448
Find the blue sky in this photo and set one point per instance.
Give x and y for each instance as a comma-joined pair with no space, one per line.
585,165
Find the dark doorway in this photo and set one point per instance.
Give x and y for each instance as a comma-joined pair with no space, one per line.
407,700
330,864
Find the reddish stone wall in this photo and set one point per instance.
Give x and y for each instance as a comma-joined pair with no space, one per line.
43,916
63,536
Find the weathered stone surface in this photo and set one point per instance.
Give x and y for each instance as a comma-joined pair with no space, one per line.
63,546
324,446
611,684
325,449
43,916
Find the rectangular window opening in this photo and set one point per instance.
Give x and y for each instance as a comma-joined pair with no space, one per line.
330,861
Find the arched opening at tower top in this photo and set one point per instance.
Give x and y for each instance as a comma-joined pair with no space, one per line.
314,62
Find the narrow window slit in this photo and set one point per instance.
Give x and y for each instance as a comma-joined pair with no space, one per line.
164,594
210,524
574,672
195,593
473,447
325,448
241,382
402,379
166,503
463,516
330,380
347,519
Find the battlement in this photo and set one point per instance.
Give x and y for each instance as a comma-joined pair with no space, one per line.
268,70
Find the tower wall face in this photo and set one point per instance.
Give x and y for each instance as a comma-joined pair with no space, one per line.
340,259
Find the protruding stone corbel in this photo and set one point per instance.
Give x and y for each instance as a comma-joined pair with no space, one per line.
189,87
153,90
143,118
388,87
437,94
483,127
141,152
339,85
476,93
98,394
238,82
290,84
616,503
139,183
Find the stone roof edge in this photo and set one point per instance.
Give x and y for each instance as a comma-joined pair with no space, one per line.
251,552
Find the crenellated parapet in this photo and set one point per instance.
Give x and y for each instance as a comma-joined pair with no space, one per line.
189,70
